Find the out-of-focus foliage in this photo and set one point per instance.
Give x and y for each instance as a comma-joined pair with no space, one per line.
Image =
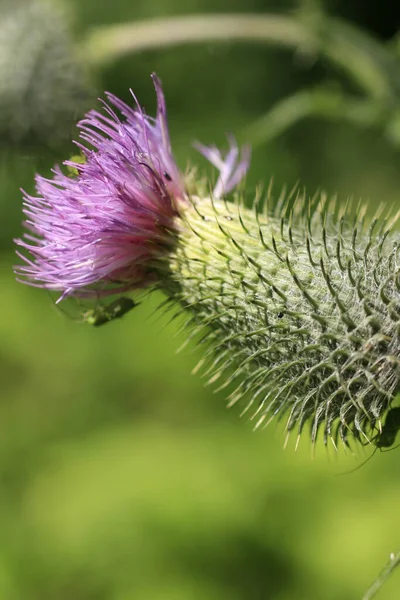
121,477
43,88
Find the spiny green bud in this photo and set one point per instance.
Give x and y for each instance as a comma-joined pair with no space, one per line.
303,310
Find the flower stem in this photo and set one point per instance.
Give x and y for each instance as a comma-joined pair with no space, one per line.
394,562
108,42
359,55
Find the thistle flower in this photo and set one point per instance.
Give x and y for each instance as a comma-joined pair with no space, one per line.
95,233
98,233
300,303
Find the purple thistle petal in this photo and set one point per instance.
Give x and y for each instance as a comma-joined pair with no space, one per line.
231,171
97,233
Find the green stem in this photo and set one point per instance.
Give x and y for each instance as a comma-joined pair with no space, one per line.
359,55
324,103
108,42
383,576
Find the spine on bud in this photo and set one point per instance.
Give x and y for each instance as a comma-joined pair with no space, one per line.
303,312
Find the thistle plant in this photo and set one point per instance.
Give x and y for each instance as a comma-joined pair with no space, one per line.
298,300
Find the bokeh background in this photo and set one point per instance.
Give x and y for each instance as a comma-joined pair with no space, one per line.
121,476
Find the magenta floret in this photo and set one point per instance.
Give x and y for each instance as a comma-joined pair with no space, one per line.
96,233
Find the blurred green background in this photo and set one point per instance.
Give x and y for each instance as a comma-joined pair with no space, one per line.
121,476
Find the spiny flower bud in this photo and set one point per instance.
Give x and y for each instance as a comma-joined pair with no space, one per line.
301,303
303,311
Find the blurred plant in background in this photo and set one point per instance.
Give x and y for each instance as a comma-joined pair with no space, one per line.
120,476
43,85
371,67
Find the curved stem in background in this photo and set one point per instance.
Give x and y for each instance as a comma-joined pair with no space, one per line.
369,64
108,42
320,102
394,561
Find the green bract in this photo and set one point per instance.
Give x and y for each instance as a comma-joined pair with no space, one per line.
302,306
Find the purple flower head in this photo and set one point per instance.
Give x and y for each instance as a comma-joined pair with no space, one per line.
97,233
